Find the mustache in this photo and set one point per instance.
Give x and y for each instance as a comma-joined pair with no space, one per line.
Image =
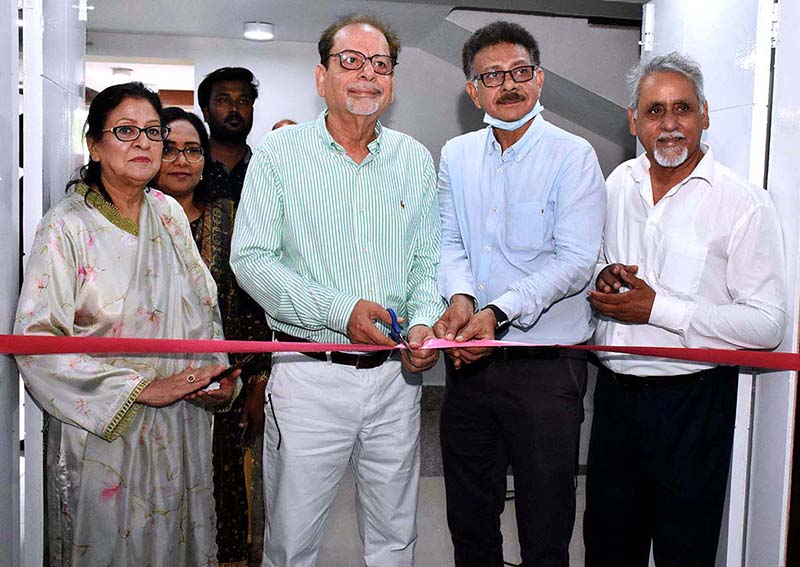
232,115
511,96
670,136
369,87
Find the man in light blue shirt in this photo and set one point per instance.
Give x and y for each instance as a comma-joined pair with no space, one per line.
522,205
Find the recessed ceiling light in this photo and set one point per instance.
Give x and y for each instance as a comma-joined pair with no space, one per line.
259,31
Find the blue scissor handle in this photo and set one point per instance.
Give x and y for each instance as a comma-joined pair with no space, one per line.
396,334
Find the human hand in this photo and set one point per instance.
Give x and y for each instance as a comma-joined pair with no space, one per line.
361,327
633,306
419,360
218,397
251,418
166,391
455,317
609,280
480,326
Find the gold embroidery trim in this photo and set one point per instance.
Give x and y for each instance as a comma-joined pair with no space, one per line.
107,209
125,414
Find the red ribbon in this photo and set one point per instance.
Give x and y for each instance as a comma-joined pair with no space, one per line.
29,344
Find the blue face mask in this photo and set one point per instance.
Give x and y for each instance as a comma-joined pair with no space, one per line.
503,125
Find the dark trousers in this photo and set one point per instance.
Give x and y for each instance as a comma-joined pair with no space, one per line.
658,469
526,412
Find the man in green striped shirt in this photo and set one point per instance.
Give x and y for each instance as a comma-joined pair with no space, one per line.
338,221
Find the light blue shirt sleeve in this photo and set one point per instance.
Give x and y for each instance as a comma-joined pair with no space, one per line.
455,274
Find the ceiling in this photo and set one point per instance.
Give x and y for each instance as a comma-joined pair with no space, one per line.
302,20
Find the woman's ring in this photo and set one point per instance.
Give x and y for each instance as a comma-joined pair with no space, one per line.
191,378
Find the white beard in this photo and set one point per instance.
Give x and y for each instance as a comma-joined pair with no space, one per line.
362,106
670,158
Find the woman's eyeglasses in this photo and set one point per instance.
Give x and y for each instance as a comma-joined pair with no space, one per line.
129,133
192,153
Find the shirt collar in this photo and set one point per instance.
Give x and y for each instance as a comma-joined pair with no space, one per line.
522,146
245,161
322,131
640,167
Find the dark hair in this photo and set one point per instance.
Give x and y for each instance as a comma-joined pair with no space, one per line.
493,34
202,191
225,74
325,43
104,104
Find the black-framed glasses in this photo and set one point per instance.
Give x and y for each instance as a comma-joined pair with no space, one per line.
355,60
241,102
521,74
129,133
192,154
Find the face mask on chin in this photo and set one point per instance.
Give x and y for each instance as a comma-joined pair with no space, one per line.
510,126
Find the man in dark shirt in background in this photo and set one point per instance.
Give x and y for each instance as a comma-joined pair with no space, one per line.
226,97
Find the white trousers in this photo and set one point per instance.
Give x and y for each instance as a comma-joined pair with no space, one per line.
326,415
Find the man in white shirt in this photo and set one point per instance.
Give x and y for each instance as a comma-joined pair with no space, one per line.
692,257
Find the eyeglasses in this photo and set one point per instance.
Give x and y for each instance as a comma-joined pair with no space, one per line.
192,154
521,74
132,133
241,102
355,60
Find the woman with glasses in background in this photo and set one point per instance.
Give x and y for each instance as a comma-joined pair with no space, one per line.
129,477
237,466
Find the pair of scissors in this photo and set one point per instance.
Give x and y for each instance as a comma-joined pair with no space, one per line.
396,334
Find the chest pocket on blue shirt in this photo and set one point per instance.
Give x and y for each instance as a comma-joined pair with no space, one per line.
525,225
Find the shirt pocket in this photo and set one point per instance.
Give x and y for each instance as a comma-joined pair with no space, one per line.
680,264
525,225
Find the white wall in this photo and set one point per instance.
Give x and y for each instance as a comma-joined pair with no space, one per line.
54,44
777,393
9,236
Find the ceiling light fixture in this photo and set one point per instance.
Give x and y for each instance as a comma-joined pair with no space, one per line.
259,31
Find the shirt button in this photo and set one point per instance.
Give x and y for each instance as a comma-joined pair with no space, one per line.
499,170
369,290
364,250
481,286
487,247
494,209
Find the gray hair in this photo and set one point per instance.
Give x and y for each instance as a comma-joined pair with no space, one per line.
670,63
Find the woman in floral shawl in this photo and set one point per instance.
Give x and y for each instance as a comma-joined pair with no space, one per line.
129,437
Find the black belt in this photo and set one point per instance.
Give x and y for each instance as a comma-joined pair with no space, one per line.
539,352
359,361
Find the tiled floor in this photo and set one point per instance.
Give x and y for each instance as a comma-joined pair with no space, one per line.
341,546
